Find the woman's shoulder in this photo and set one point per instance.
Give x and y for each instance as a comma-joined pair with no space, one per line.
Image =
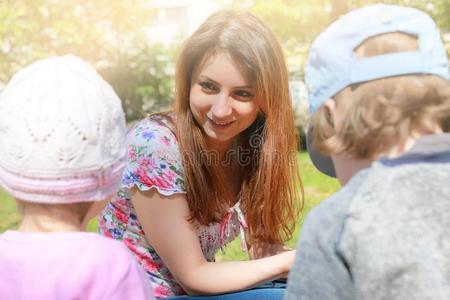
156,128
153,156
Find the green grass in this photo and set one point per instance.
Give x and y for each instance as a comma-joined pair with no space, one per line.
9,217
317,187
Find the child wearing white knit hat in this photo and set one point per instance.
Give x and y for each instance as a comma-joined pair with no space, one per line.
62,134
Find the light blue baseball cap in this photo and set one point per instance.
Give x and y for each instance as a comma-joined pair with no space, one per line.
332,65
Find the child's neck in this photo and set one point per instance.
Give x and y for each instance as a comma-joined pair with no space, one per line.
346,167
41,221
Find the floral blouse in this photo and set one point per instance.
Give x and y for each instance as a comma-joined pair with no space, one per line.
154,161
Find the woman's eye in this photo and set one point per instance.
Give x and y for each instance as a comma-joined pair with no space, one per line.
244,94
208,87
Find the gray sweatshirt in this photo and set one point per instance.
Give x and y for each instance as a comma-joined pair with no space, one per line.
385,235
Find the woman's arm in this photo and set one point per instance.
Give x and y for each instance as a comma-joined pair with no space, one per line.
164,220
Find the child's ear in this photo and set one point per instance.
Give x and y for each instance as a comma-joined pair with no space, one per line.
330,106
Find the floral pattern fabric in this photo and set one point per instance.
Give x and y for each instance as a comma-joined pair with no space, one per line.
154,161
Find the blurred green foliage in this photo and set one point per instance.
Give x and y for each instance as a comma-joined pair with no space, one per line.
298,22
112,36
144,81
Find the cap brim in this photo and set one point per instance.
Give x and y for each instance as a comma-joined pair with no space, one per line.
323,163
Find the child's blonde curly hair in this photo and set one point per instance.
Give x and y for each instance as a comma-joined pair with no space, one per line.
379,114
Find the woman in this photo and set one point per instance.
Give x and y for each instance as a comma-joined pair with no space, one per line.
223,163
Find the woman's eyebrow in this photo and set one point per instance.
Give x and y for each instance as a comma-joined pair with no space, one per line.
204,77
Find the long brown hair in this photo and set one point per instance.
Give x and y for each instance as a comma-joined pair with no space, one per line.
271,192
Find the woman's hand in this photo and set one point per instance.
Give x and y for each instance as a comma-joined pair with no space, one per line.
289,257
261,250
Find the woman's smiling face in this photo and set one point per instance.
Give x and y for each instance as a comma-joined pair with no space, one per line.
222,101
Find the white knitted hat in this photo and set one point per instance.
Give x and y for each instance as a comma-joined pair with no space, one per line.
62,133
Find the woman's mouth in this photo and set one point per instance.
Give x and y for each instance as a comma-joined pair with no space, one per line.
219,124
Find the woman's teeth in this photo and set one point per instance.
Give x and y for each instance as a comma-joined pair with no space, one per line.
221,124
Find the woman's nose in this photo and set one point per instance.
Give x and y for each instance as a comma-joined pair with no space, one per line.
222,106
